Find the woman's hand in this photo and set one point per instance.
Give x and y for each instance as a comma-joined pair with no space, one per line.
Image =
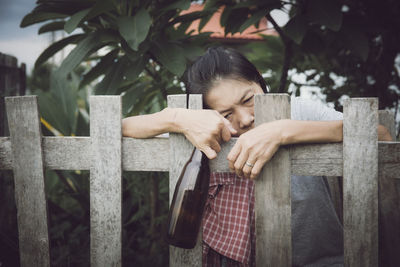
255,147
205,129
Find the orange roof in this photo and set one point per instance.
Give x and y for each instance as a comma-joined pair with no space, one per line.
218,32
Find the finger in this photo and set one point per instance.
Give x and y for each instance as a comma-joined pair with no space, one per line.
228,124
246,168
255,171
233,154
210,153
215,145
240,161
225,134
261,162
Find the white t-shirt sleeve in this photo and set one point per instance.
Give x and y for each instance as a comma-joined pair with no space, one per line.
309,110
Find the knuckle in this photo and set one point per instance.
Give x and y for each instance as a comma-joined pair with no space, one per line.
237,166
254,173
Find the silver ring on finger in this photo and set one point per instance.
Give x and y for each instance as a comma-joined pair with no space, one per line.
249,164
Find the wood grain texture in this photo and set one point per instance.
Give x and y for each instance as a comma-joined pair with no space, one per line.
360,182
180,151
153,155
272,191
386,118
105,181
389,203
30,197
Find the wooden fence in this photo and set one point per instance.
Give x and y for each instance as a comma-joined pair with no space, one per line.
360,159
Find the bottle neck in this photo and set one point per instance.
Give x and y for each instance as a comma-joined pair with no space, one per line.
197,155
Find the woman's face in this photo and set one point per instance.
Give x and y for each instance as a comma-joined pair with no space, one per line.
234,99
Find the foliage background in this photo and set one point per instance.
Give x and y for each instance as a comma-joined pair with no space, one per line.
140,49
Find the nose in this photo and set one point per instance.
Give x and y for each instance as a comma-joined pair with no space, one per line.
246,118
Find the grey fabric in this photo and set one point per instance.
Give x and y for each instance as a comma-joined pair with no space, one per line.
317,234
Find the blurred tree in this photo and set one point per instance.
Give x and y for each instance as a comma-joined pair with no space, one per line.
354,39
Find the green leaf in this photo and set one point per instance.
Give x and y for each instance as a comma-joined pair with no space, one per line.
136,67
89,44
113,78
101,67
296,28
181,4
36,17
236,18
101,7
75,19
50,111
327,12
210,7
65,92
131,97
192,51
225,15
189,17
134,29
252,20
171,56
55,47
52,26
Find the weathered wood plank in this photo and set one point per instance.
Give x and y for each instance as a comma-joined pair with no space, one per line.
272,191
386,118
180,151
360,182
389,203
61,153
105,181
25,135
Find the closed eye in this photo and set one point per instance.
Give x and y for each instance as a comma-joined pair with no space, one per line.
248,99
227,115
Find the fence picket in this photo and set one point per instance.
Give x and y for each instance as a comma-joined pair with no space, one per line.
105,181
272,191
30,197
180,150
360,182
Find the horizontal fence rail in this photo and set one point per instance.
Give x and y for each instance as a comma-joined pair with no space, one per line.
106,154
72,153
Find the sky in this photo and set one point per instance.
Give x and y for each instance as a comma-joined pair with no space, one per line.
23,43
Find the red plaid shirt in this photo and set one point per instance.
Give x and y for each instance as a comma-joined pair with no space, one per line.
229,220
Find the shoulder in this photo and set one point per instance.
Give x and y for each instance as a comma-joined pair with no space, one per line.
307,109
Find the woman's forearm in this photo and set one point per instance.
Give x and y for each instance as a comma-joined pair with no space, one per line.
294,131
319,132
146,126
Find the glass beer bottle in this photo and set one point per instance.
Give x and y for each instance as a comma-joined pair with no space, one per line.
190,195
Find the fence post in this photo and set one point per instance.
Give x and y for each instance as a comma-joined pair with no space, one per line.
26,143
360,182
272,191
105,181
389,203
180,150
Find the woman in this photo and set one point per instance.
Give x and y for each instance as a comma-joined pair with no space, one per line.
228,83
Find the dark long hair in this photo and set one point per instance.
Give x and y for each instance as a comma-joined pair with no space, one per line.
219,63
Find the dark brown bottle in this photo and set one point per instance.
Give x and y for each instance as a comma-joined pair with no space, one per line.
186,211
